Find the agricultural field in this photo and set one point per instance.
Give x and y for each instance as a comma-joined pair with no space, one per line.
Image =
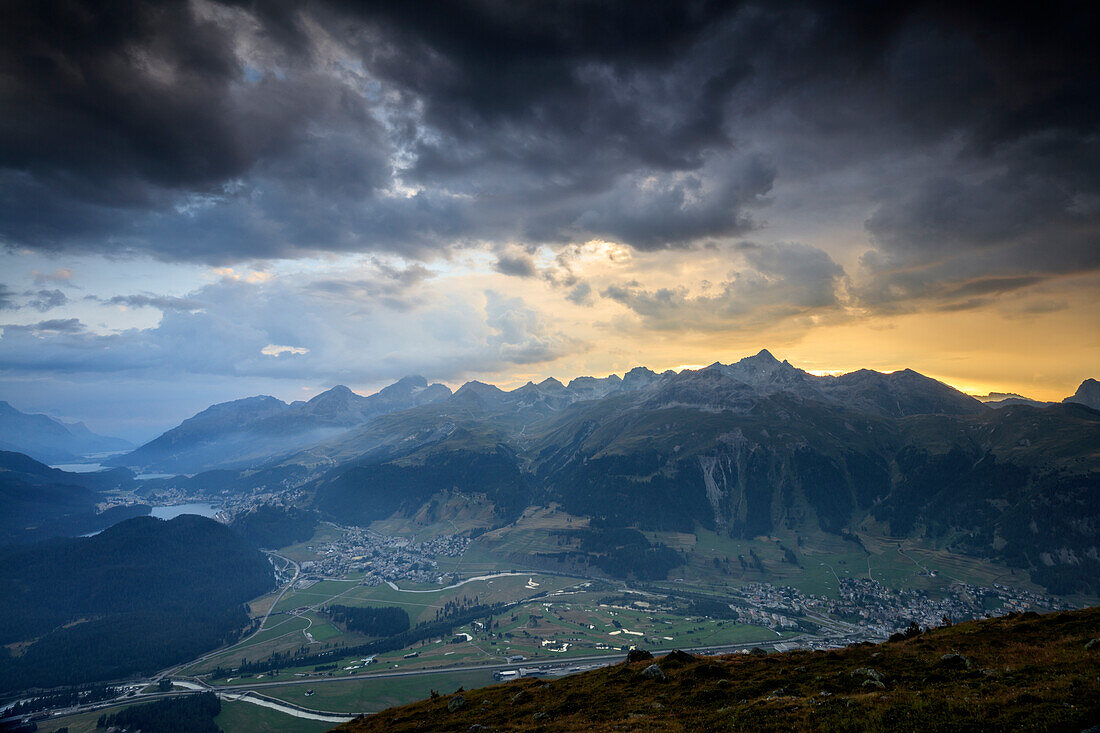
551,617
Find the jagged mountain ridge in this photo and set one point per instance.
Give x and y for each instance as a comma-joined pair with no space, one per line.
744,449
250,431
704,448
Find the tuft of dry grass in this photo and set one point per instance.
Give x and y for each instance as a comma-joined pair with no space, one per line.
1020,672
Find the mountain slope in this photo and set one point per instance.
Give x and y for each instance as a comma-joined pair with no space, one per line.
249,431
49,440
747,450
1014,673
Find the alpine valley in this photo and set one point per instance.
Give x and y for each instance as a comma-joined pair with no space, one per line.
362,552
744,450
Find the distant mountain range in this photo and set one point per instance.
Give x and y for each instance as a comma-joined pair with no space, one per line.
250,431
1087,394
240,433
744,449
52,441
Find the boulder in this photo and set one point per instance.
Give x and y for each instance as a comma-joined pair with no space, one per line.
676,658
869,674
456,703
638,655
953,661
653,672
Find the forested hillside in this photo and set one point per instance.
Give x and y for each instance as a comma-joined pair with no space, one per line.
135,598
38,502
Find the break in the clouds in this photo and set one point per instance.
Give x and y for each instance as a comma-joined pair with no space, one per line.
361,331
770,285
704,166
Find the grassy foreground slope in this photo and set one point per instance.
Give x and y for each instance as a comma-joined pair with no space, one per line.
1021,672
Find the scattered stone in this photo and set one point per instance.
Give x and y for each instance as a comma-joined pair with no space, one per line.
456,703
518,697
954,661
1092,644
653,672
873,685
477,728
722,683
638,655
870,674
486,703
539,715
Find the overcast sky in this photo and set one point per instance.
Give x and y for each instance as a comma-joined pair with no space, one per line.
201,201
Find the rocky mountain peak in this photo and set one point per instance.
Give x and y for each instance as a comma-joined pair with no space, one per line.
1087,394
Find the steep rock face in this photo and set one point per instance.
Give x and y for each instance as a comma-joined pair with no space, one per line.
739,471
1087,394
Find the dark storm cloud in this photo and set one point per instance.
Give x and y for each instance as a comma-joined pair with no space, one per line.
216,132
